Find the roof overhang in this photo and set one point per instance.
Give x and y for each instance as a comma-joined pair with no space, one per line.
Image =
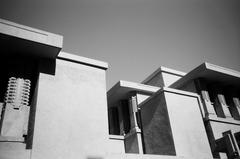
82,60
166,70
122,89
20,40
211,73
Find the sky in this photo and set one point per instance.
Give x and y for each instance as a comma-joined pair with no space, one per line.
135,37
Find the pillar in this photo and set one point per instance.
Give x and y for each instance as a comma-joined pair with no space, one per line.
203,91
133,140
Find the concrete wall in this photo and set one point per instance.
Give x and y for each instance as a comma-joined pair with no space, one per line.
156,129
14,150
189,87
71,114
216,129
131,144
141,97
219,127
169,78
174,115
156,80
163,79
116,144
188,130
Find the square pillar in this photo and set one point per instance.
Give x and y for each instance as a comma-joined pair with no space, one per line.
236,107
233,102
203,91
221,107
133,140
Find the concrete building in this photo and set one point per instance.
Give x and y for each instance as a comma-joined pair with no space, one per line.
54,105
186,115
66,116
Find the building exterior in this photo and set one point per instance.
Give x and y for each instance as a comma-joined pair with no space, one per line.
171,113
54,105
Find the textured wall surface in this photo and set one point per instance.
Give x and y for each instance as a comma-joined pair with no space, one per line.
169,78
156,127
188,130
157,80
141,98
162,79
131,144
10,150
219,127
116,144
71,115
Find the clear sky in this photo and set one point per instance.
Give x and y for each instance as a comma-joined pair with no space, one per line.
137,36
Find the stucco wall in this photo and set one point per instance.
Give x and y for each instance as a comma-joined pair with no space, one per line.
116,144
141,97
156,129
189,87
131,144
169,78
156,80
71,114
187,126
11,150
219,127
163,79
173,125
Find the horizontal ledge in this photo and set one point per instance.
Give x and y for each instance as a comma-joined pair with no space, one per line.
31,34
222,120
116,137
11,139
166,70
174,91
82,60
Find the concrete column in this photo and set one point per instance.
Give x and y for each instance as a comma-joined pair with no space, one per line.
133,140
208,103
222,109
224,105
233,102
133,111
202,89
236,102
13,124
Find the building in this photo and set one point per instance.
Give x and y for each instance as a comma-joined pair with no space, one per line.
54,105
172,113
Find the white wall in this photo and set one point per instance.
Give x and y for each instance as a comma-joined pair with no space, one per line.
190,138
71,114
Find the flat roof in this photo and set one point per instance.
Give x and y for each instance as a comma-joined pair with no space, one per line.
18,39
212,73
121,89
171,90
164,69
82,60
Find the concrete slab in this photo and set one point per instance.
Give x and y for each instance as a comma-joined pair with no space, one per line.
20,40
